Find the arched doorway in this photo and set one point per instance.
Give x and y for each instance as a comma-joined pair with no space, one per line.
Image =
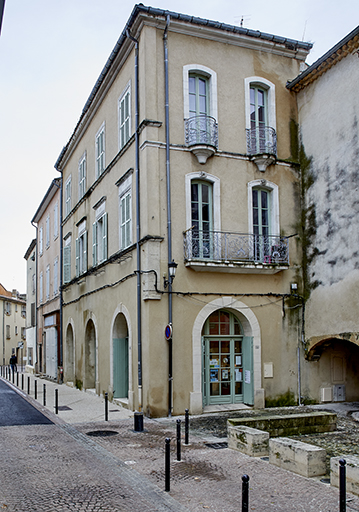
90,356
69,355
227,366
120,357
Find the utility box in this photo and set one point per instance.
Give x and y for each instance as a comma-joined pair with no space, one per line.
339,393
326,394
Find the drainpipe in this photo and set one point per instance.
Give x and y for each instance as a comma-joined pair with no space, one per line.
138,231
169,220
36,287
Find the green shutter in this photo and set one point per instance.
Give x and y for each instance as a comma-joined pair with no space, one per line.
247,350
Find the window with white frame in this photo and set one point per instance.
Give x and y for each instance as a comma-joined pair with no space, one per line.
56,220
260,115
124,116
56,276
23,333
47,231
82,176
81,249
67,260
7,308
125,204
41,286
41,240
68,196
100,151
23,311
99,235
47,282
8,335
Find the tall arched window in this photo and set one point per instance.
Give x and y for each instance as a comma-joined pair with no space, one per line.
202,219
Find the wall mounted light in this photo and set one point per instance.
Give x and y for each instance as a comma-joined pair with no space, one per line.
171,273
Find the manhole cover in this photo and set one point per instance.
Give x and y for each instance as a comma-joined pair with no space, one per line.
217,446
102,433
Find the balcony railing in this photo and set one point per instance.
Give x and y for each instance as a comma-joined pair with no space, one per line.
201,130
224,247
261,140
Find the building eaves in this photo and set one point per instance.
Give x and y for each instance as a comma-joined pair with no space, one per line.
291,44
53,188
347,45
30,249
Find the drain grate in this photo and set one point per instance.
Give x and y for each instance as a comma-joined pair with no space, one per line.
325,480
102,433
217,446
64,408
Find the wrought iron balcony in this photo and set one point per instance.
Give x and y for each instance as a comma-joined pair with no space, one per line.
261,140
201,135
236,248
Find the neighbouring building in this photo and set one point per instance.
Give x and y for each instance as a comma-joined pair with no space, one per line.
12,325
328,115
30,257
47,287
185,158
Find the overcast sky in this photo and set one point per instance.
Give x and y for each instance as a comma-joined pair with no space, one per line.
51,54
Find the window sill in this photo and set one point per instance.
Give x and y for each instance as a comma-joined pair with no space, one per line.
235,267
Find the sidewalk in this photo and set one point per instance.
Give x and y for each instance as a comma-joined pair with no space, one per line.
205,478
74,406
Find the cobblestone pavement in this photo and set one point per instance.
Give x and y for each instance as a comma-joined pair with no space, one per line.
106,466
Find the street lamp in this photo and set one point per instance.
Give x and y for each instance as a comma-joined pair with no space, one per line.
171,273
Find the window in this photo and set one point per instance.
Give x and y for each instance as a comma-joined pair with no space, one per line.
124,117
81,249
33,284
125,213
202,219
8,308
30,356
100,151
56,220
67,260
47,232
23,311
99,236
56,276
260,116
263,218
8,336
47,282
23,333
82,176
16,330
41,285
200,105
33,314
15,308
68,196
41,239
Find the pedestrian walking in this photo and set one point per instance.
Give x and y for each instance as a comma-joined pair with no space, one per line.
13,363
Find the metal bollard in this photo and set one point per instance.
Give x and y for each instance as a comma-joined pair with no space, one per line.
138,421
35,384
106,406
13,376
22,381
17,379
186,426
245,485
6,373
167,464
342,486
44,396
56,401
28,385
178,439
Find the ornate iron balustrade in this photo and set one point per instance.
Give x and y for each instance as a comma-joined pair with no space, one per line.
201,130
261,140
227,247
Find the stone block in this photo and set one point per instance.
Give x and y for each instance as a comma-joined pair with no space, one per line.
248,440
351,470
301,458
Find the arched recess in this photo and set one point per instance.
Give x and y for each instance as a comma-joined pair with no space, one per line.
251,328
121,355
90,376
334,369
69,368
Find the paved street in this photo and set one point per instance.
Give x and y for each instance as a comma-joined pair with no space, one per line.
60,467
